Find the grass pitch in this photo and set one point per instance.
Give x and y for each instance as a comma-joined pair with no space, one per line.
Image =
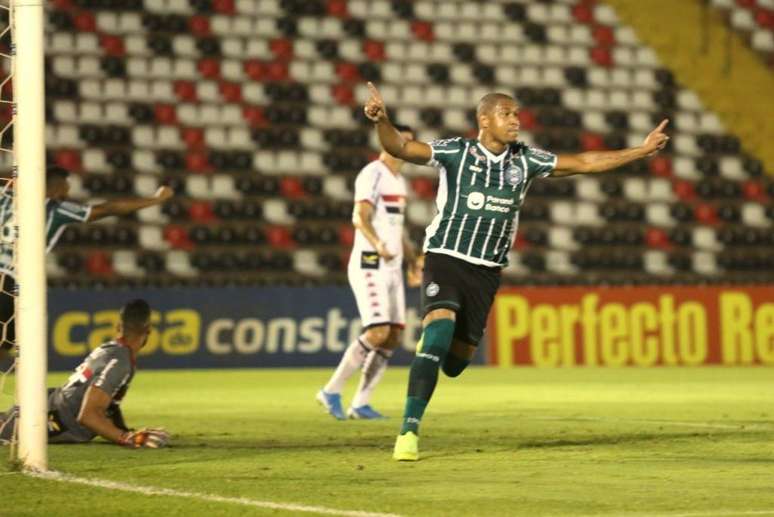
680,442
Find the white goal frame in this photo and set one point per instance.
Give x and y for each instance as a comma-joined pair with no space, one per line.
29,151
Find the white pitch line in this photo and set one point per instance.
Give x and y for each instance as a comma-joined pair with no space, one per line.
673,423
243,501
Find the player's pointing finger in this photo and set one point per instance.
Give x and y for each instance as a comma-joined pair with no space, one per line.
373,91
662,125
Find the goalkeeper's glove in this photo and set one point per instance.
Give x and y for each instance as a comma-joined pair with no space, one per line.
145,437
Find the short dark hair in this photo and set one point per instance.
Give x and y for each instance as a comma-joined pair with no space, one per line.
55,172
402,128
135,315
489,101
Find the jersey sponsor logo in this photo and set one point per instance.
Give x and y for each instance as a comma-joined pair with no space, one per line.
476,200
369,260
432,289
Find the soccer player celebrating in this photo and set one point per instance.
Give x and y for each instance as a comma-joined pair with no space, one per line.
88,404
59,213
376,277
483,182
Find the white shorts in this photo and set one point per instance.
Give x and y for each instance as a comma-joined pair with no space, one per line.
379,293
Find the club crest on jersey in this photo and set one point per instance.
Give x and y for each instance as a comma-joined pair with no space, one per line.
515,174
432,289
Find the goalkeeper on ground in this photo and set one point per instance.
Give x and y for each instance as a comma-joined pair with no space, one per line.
88,405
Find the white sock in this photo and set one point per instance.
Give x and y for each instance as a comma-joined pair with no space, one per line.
373,369
352,360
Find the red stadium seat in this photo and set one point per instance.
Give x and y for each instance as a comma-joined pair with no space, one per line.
343,94
99,263
199,25
657,238
177,237
201,212
112,45
346,235
224,6
209,68
705,213
231,92
338,8
192,136
603,35
754,191
583,13
254,115
282,48
660,166
602,56
197,161
70,159
527,119
85,22
374,50
422,30
185,90
684,190
165,114
278,71
279,237
255,69
592,142
348,72
292,188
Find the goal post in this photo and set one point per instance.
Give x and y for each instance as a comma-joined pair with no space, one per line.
27,22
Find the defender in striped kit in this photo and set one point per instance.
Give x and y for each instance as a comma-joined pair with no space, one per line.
483,182
59,213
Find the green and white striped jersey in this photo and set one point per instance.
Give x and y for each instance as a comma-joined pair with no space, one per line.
479,197
58,215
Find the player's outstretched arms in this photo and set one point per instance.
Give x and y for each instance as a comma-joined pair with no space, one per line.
129,205
412,151
601,161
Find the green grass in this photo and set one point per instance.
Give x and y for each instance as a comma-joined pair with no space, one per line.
508,442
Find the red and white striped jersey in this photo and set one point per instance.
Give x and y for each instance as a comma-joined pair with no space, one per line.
386,191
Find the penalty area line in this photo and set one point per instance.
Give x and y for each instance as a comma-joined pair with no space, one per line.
242,501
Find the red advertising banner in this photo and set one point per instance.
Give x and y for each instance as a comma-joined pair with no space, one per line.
632,326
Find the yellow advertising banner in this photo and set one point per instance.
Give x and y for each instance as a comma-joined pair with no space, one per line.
633,326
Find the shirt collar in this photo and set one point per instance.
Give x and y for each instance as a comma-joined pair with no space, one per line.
495,158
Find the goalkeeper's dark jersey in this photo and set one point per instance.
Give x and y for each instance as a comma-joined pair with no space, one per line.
110,368
479,197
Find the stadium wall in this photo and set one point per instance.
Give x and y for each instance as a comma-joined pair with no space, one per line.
220,327
633,326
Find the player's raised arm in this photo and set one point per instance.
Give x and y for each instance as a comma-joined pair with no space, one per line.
129,205
409,150
601,161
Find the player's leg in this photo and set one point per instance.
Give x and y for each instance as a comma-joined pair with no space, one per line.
459,357
481,285
373,370
376,362
370,292
441,299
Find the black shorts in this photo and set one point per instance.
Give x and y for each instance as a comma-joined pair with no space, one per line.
7,310
465,288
